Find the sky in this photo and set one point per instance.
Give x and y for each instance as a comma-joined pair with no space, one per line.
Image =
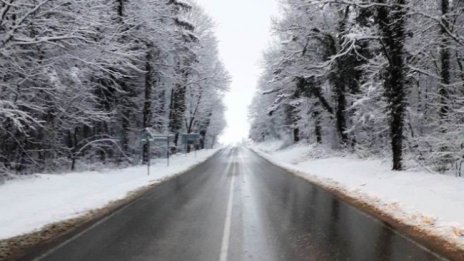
243,28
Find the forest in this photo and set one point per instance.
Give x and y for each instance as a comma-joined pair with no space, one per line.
371,77
81,80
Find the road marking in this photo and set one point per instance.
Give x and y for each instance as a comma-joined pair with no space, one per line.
227,225
104,219
101,221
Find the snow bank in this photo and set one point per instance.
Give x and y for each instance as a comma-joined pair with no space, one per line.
29,204
432,201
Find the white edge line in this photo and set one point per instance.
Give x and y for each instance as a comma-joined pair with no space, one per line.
357,209
53,250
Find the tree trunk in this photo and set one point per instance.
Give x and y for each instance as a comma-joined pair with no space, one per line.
392,25
338,78
340,112
445,62
177,110
445,57
317,125
120,8
296,134
147,106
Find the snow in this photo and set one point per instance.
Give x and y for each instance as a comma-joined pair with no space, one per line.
29,204
431,201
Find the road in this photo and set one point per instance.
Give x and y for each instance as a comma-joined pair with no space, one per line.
237,206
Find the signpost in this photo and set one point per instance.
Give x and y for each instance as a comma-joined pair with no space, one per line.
159,139
164,140
147,138
190,139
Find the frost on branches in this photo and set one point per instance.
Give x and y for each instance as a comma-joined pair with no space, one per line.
80,80
379,77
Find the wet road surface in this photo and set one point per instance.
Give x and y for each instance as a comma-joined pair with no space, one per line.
237,206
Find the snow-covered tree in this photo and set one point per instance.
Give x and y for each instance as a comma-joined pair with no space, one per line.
368,75
80,80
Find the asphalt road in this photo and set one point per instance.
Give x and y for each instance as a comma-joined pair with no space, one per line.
237,206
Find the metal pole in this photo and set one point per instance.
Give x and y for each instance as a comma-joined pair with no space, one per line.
195,148
167,150
149,158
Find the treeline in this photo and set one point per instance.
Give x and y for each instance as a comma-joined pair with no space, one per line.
381,77
81,80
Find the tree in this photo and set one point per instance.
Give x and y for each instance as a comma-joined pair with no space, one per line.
83,79
378,73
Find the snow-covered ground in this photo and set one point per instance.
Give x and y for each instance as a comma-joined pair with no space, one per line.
29,204
432,201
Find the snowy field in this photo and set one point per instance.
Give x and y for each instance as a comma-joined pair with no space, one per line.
29,204
432,201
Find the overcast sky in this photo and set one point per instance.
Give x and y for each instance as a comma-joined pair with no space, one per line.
243,30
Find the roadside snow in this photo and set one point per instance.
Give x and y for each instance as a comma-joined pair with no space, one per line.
432,201
29,204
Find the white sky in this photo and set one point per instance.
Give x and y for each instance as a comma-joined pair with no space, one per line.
243,30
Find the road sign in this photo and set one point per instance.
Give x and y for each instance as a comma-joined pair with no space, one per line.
190,138
147,136
160,140
157,138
